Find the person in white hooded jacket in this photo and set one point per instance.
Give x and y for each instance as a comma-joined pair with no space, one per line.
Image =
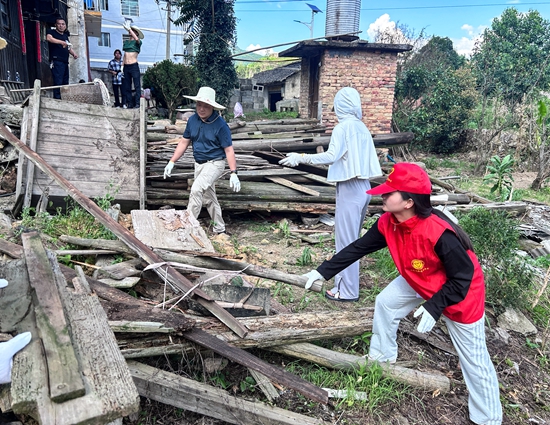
353,161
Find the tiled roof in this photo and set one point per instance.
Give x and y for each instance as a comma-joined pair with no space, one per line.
277,75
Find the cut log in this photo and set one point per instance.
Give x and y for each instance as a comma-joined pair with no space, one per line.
64,378
194,396
342,361
247,268
106,244
264,332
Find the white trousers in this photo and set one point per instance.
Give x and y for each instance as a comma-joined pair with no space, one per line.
203,192
351,207
396,301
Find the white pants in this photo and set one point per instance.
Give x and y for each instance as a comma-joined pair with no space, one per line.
351,207
396,301
203,191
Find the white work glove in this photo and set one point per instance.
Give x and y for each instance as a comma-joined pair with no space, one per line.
3,283
168,169
8,349
312,276
234,182
426,323
293,159
126,25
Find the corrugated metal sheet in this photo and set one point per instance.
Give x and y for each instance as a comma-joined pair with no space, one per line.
342,16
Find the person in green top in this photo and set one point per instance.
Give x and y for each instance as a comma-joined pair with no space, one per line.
131,48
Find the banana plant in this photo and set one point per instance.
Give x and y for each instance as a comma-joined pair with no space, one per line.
500,175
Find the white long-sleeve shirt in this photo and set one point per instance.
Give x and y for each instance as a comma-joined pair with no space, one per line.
351,152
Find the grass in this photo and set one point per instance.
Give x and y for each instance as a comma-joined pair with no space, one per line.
364,379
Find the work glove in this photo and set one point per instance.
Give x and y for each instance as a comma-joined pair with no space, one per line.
312,276
234,182
3,283
168,169
427,322
293,159
126,25
8,349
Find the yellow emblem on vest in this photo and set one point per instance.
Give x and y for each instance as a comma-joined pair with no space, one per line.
418,265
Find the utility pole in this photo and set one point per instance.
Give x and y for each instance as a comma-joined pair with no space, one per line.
168,19
314,10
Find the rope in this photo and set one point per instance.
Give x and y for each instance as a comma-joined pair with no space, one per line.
104,91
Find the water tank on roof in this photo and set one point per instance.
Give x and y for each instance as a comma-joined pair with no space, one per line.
342,17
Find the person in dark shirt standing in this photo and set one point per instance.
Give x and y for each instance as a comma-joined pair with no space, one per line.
131,48
212,144
60,49
115,69
439,274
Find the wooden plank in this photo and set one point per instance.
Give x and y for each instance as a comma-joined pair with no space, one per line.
35,119
23,161
110,391
175,230
64,378
288,183
342,361
12,249
308,168
140,248
194,396
142,154
246,359
265,385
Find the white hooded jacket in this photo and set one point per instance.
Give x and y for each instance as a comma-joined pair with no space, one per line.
351,153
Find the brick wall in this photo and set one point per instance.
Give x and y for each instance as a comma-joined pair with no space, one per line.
304,88
371,73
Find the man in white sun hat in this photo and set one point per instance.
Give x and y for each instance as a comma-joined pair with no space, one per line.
132,48
212,144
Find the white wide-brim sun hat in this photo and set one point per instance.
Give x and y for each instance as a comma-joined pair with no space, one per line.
138,32
206,95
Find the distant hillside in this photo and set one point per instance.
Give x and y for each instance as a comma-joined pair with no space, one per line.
248,56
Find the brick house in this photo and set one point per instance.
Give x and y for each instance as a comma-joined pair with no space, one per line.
328,66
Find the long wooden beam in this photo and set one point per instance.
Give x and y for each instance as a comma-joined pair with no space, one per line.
167,272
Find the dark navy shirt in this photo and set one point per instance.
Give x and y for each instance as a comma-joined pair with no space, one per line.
57,52
209,138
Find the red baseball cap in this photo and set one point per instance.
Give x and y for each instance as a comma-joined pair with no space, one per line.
405,177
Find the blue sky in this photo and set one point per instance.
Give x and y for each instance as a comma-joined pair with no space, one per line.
263,23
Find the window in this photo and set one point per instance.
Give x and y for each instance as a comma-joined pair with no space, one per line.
103,4
129,7
104,40
4,15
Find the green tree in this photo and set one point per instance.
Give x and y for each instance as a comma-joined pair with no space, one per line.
512,57
170,81
435,96
511,64
214,24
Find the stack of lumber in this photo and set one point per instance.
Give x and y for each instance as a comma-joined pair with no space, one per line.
265,185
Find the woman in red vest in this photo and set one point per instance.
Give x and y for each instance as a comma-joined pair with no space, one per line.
439,270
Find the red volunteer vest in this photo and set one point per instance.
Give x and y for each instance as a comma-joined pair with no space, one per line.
411,245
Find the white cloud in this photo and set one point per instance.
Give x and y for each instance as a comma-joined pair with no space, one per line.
465,45
514,2
385,30
262,52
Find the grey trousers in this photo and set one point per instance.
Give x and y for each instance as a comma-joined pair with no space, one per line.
396,301
203,192
351,207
